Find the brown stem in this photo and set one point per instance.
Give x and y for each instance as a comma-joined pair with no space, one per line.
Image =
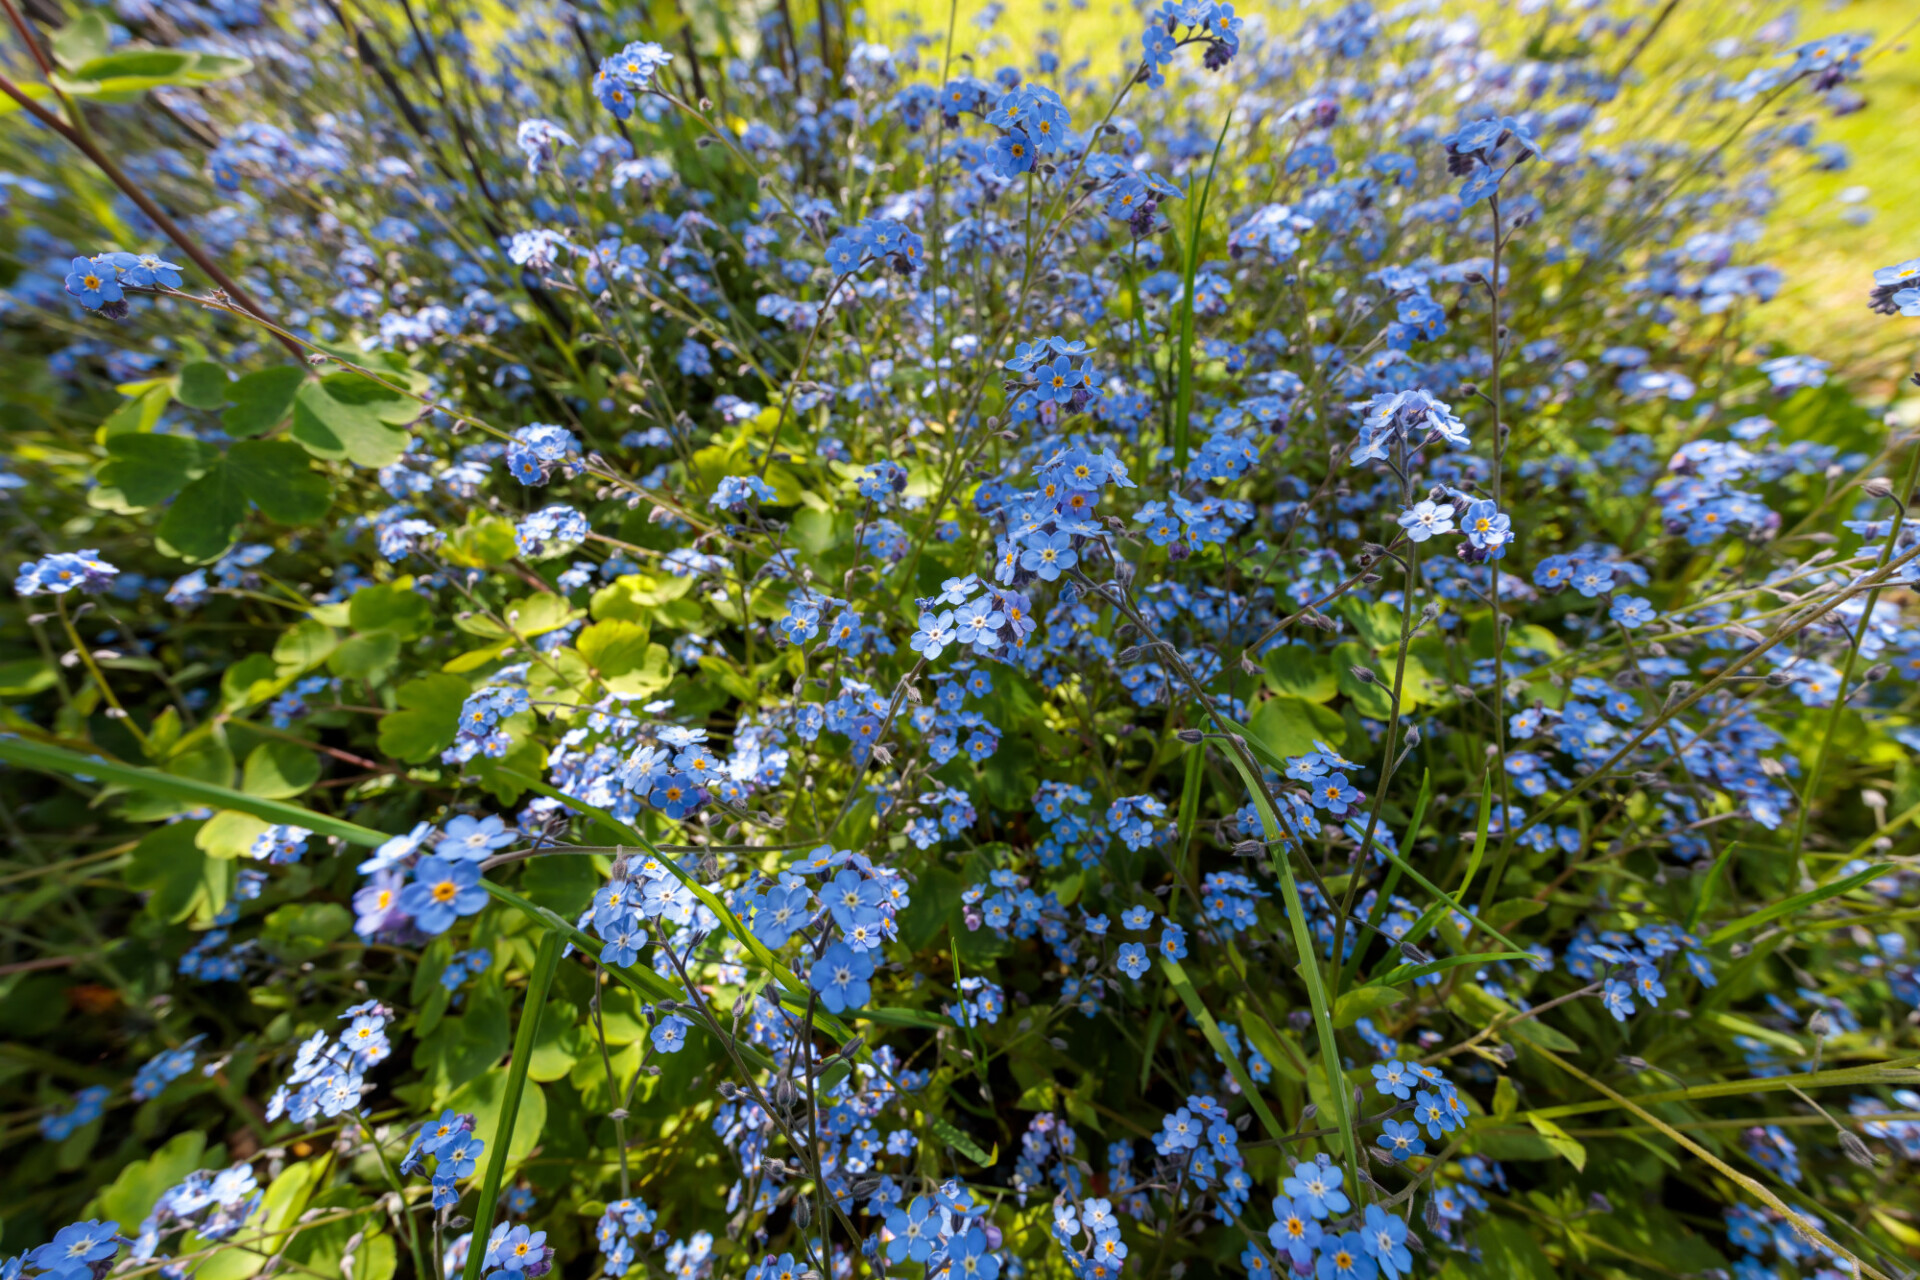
159,217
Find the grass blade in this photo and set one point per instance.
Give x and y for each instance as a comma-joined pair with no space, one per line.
1788,906
1379,911
51,759
1409,972
545,962
1183,985
1431,916
1183,392
1309,970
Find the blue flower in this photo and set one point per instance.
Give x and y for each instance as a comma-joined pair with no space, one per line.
968,1258
1487,528
1132,959
93,284
459,1158
1315,1187
1431,1110
1384,1236
1011,155
778,912
1424,519
934,635
670,1033
1631,611
1346,1258
1046,555
472,839
1400,1139
914,1231
1296,1230
442,892
74,1248
149,271
840,977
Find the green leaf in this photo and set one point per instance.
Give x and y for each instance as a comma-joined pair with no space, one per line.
949,1133
253,679
1374,698
654,674
286,1199
171,868
428,721
304,646
281,480
138,414
24,677
1508,1251
209,68
81,41
560,1045
261,400
1297,671
205,519
279,770
1511,912
536,615
146,64
1556,1137
146,469
1289,726
230,834
1431,916
365,657
1480,1007
484,542
203,384
391,606
140,1184
1798,901
302,931
347,417
1361,1001
613,648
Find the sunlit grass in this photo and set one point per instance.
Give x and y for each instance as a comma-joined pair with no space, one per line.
1831,229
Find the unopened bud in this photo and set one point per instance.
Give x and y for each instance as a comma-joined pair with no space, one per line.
1192,737
1856,1150
1877,487
1363,675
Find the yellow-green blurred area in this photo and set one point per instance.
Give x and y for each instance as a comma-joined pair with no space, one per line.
1832,228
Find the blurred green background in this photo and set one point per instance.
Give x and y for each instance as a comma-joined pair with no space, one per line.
1832,227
